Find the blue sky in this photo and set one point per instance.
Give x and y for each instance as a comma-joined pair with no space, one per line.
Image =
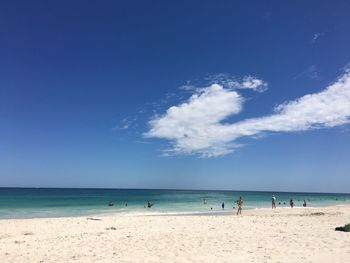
259,92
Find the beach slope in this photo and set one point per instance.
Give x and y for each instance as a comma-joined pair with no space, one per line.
261,235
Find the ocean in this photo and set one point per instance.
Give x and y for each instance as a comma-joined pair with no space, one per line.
60,202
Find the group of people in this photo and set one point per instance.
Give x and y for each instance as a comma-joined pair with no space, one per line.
149,204
239,203
291,202
273,203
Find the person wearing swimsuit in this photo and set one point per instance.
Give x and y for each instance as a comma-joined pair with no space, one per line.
240,205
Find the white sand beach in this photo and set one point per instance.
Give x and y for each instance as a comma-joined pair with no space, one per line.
262,235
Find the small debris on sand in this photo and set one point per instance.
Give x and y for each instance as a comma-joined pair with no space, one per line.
91,218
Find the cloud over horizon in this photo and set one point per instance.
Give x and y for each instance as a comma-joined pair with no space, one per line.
198,125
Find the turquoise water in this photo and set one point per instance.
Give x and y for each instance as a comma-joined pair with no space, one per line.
50,202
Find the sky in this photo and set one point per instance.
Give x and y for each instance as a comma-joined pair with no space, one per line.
233,95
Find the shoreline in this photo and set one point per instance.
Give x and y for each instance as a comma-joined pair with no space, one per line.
132,213
214,213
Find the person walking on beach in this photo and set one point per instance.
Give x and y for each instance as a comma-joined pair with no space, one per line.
240,205
273,202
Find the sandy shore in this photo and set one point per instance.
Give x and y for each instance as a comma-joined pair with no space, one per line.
263,235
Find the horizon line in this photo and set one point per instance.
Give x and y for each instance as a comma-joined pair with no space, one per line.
168,189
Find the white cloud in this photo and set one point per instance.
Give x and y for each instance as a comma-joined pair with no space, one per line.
192,125
317,36
253,83
198,126
248,82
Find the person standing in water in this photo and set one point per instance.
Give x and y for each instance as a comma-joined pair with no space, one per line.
223,205
240,205
273,202
291,202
